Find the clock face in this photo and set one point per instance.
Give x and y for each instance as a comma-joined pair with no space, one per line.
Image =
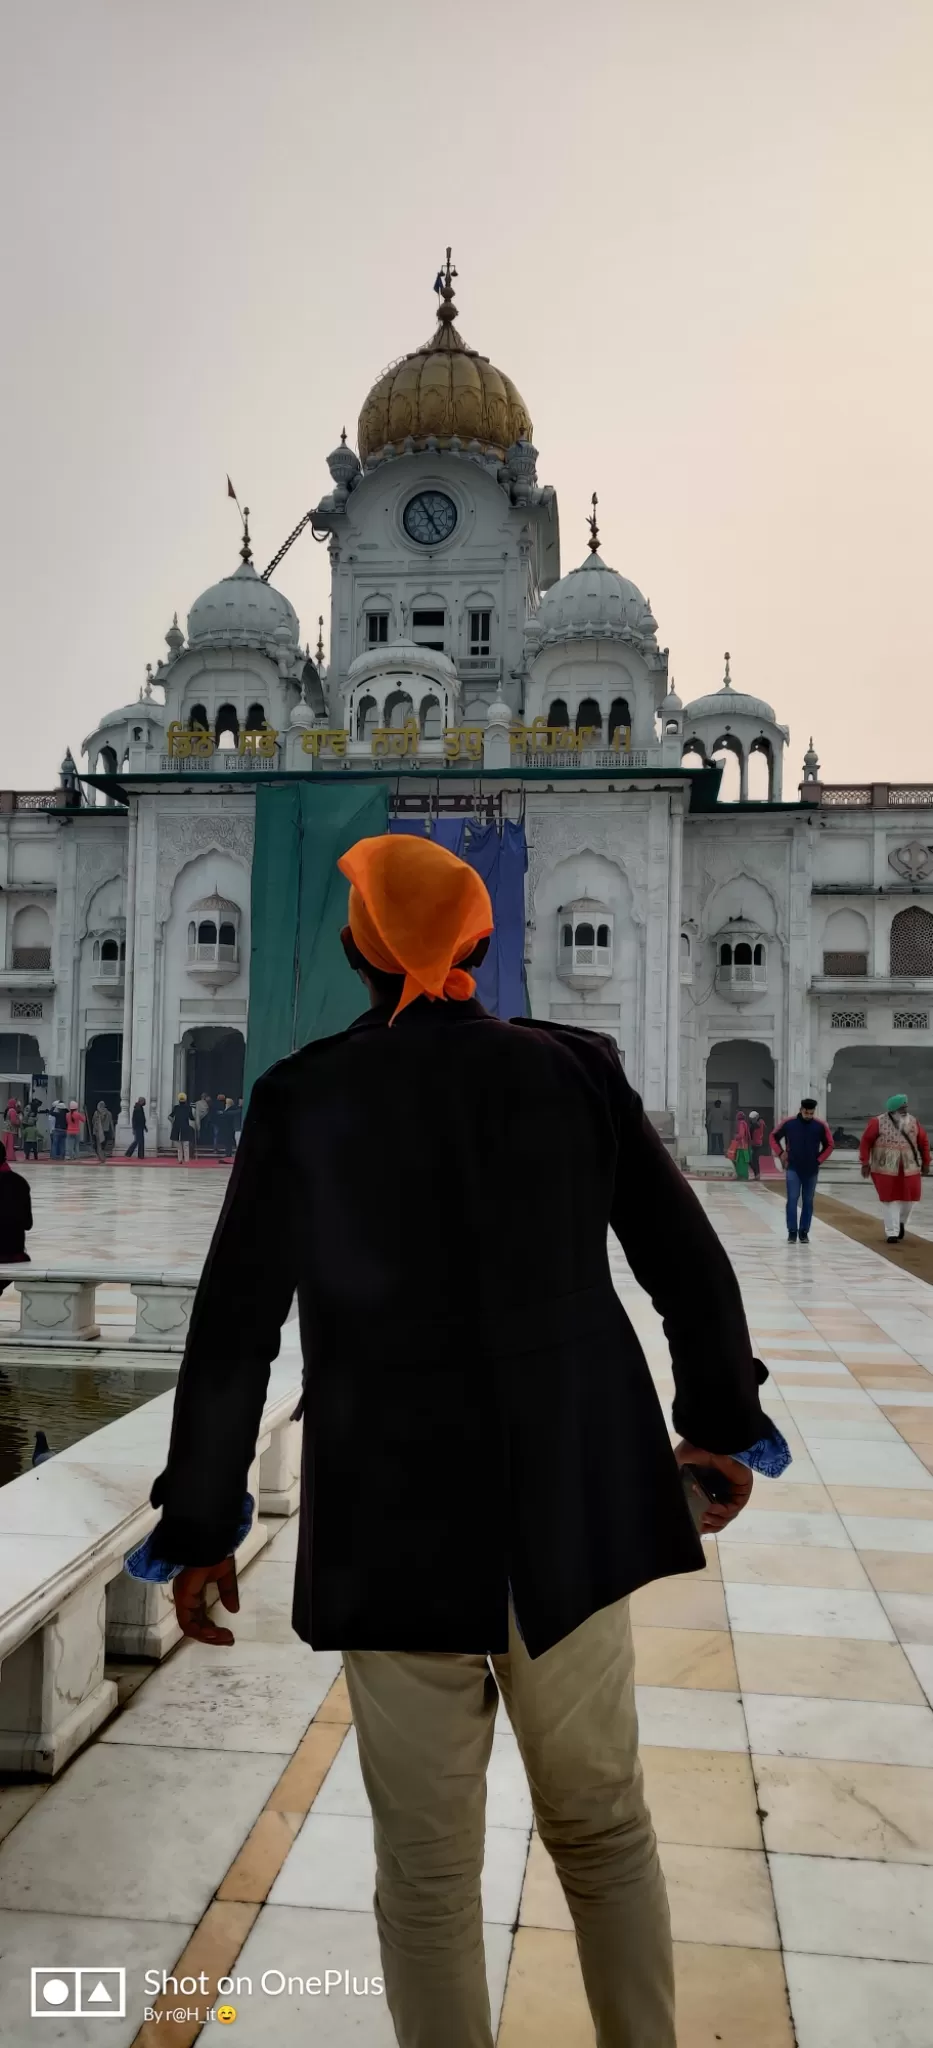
429,518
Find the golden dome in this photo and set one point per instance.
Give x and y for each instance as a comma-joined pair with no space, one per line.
443,389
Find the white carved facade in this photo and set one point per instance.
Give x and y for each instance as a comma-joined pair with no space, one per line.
754,951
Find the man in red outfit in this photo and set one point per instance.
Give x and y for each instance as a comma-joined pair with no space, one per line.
895,1151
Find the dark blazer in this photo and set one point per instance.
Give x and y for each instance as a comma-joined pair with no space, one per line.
138,1119
15,1216
478,1413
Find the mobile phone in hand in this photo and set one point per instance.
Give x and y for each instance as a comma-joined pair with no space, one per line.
704,1487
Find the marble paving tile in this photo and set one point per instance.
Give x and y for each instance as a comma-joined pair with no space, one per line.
685,1656
911,1614
881,1811
304,1943
894,1571
266,1595
848,1731
773,1496
685,1719
780,1528
833,1906
842,1464
807,1611
921,1659
890,1532
793,1564
544,1997
903,1399
32,1940
15,1801
891,1503
719,1895
253,1696
703,1796
332,1863
846,1429
136,1833
695,1602
283,1546
844,2002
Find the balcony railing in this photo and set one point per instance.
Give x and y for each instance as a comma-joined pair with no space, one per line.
206,955
740,976
109,970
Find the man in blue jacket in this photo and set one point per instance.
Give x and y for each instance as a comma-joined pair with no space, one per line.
802,1143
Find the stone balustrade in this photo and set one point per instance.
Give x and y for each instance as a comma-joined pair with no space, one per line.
65,1599
58,1304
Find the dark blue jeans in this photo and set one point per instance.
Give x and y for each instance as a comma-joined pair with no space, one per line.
798,1185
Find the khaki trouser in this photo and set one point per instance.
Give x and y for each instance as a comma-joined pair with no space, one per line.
425,1727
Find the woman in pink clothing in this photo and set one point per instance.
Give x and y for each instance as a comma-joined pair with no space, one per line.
895,1151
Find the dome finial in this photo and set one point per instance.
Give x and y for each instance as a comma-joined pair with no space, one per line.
727,678
319,650
594,529
443,285
246,552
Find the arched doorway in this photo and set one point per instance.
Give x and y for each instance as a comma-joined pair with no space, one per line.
103,1061
739,1075
212,1062
863,1076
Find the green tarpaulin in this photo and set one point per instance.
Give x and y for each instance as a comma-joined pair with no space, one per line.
300,986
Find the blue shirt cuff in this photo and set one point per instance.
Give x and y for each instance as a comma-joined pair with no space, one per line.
770,1455
142,1565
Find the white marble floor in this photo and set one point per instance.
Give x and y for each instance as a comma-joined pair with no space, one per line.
785,1703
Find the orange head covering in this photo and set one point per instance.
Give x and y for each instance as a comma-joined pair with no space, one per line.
415,910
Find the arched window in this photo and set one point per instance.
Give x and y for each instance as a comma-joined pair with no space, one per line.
377,628
197,717
725,954
192,933
227,935
602,935
686,957
558,713
728,759
743,954
227,729
32,938
692,757
367,717
207,932
255,718
620,722
399,708
590,715
430,717
110,950
759,956
566,936
912,942
759,772
125,761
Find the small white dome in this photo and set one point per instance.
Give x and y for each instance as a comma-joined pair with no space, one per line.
403,656
218,903
593,602
242,608
302,714
726,703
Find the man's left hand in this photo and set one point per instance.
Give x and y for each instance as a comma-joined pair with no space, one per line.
189,1591
740,1477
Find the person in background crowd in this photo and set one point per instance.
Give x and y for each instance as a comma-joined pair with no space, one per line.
180,1132
802,1143
895,1151
140,1127
74,1130
58,1130
9,1131
741,1146
757,1135
488,1488
226,1129
218,1108
201,1115
102,1131
717,1123
15,1217
238,1121
30,1132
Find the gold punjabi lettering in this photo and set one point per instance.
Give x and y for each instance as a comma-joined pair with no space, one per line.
179,740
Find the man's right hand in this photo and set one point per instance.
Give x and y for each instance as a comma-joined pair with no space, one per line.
740,1478
189,1591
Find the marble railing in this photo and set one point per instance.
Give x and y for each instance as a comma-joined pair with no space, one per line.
65,1599
58,1303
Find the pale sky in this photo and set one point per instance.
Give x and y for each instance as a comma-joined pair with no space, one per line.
694,232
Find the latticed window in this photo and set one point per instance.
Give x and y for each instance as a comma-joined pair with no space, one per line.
849,1020
845,963
912,942
911,1020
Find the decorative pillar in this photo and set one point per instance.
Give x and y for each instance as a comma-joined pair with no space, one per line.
124,1125
657,915
675,877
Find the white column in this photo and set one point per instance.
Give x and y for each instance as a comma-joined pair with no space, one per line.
673,978
655,1019
124,1128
